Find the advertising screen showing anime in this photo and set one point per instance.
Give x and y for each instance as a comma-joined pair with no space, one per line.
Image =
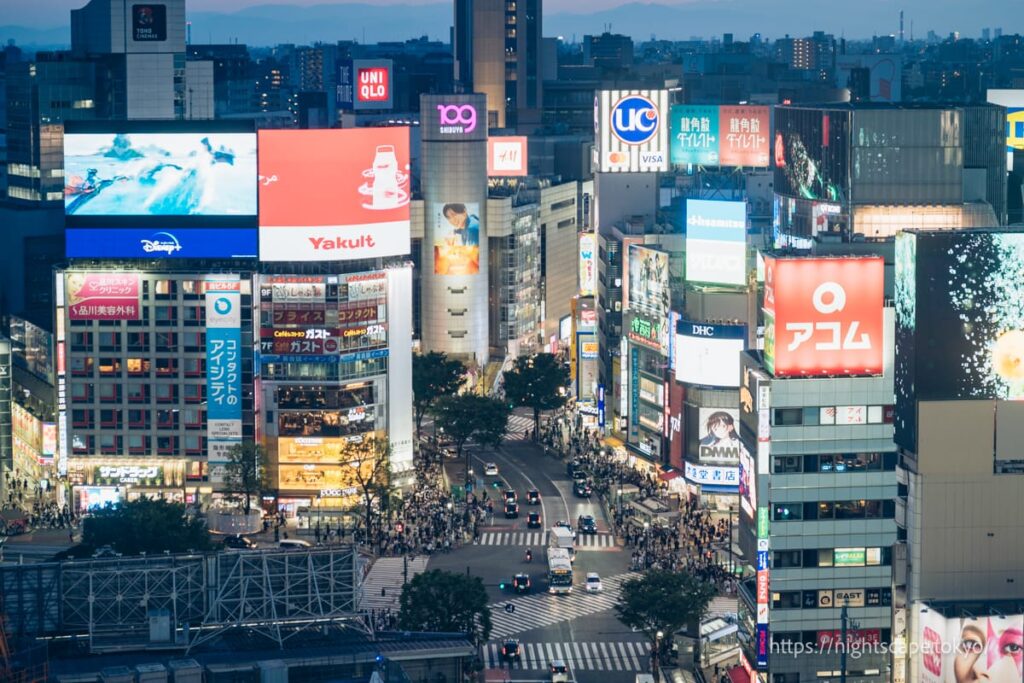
811,148
456,238
160,174
719,435
716,242
970,281
823,316
333,195
968,649
648,281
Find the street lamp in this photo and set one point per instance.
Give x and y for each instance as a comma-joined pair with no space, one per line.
655,656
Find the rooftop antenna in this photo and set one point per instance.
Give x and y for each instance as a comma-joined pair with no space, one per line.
901,27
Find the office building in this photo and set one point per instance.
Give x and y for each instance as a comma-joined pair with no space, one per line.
498,53
816,471
959,567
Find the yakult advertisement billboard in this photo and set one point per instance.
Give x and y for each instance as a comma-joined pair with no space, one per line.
632,131
333,195
823,316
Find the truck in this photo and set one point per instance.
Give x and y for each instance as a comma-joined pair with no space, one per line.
562,537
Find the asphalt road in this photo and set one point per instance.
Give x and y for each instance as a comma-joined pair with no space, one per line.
579,628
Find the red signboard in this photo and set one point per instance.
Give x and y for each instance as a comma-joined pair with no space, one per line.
762,587
831,639
372,84
333,195
823,316
743,138
103,296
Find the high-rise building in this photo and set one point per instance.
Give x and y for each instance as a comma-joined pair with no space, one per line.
498,53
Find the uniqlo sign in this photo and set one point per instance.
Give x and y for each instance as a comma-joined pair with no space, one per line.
823,316
372,84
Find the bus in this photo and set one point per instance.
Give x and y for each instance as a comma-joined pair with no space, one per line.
559,571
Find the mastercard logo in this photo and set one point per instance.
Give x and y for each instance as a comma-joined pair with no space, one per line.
618,157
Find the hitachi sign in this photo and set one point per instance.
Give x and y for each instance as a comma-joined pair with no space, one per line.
341,243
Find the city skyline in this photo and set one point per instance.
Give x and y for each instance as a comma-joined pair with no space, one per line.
227,20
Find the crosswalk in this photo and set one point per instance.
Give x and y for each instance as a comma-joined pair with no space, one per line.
387,573
586,656
517,424
539,539
544,609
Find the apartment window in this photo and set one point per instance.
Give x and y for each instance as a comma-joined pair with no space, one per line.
166,367
167,419
194,315
165,289
110,367
110,444
138,393
166,393
138,444
83,445
137,367
110,419
82,419
165,316
110,341
167,342
110,393
194,342
81,341
138,419
167,445
81,393
138,342
194,367
193,418
195,393
81,366
194,444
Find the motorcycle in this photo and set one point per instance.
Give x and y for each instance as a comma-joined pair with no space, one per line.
529,556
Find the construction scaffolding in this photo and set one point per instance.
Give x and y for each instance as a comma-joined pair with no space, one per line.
181,601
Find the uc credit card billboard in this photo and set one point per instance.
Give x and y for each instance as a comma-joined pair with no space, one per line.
632,131
333,195
823,316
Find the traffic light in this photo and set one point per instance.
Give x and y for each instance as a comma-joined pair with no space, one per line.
501,586
494,484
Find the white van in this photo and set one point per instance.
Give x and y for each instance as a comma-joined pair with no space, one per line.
294,544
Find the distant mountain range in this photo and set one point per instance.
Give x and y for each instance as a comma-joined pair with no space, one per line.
264,25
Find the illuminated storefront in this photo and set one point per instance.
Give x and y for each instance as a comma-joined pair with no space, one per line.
96,482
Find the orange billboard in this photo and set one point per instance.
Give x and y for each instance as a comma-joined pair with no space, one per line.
743,134
333,195
823,316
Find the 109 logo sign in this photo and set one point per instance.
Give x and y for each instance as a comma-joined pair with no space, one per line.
457,118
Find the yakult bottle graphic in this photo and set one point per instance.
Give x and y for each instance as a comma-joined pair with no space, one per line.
385,181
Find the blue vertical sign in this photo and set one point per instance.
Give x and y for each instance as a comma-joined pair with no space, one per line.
634,383
223,371
600,406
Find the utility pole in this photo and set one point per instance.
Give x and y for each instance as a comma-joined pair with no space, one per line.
843,619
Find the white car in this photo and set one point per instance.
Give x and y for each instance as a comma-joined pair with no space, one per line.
593,584
559,671
490,470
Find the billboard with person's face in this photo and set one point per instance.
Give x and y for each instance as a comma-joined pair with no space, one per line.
719,435
456,238
969,649
333,195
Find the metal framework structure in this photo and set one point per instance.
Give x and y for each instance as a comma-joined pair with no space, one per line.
198,596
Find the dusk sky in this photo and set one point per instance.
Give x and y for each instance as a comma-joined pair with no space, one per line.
942,16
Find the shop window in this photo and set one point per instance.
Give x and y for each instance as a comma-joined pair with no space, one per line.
137,367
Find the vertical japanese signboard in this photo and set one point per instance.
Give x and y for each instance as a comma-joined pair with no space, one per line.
223,371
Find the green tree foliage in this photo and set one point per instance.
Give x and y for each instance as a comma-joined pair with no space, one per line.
145,526
537,382
470,416
370,463
245,474
434,376
443,601
663,601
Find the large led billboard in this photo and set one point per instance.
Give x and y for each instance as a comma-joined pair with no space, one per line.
712,135
716,242
632,131
103,296
823,316
588,264
456,238
334,195
719,435
968,648
175,173
709,354
365,84
1013,100
160,243
453,118
965,288
506,156
811,150
648,281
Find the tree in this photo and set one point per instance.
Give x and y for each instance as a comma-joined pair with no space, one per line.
245,475
446,602
537,382
434,375
663,601
370,463
470,416
145,526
